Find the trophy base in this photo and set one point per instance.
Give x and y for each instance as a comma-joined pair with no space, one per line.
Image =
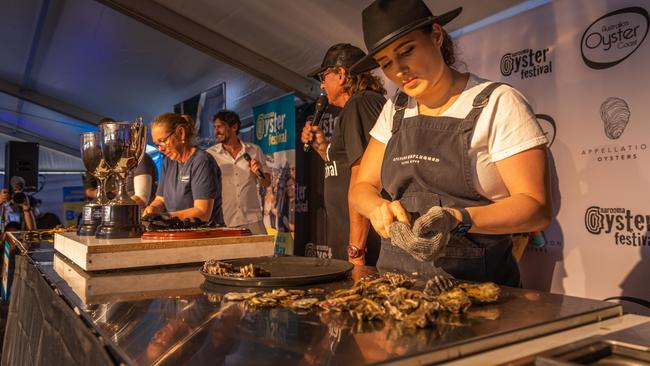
120,221
91,218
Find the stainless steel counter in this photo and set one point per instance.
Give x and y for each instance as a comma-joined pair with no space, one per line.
169,316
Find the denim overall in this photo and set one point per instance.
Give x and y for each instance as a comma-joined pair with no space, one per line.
426,163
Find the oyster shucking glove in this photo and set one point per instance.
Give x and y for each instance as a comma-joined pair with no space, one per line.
428,238
436,220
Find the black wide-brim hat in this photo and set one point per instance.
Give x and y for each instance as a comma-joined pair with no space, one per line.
340,55
384,21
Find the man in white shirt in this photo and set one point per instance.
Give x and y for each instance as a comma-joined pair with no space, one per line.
239,177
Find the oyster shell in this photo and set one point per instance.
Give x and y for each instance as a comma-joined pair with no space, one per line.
455,300
482,293
239,296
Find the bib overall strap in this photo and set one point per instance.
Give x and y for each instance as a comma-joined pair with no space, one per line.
481,101
400,107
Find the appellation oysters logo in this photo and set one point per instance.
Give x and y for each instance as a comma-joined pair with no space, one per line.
615,114
628,229
614,37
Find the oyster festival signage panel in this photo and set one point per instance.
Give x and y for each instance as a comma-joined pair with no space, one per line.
275,133
583,65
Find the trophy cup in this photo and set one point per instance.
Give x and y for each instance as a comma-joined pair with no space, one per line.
91,154
122,145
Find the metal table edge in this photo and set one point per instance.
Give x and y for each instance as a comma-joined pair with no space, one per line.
508,338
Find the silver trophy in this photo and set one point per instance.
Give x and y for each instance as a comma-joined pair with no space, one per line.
122,144
91,154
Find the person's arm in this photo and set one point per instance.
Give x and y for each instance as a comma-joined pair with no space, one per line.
526,175
358,223
355,125
142,189
314,136
28,215
202,209
365,195
156,206
206,187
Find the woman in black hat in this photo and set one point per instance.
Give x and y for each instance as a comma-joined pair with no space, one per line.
463,159
361,97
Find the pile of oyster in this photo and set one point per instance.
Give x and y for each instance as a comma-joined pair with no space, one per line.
390,296
215,267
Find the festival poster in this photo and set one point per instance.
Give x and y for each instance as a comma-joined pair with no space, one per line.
275,133
581,64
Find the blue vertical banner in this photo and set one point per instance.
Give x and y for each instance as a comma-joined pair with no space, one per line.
275,125
73,202
275,133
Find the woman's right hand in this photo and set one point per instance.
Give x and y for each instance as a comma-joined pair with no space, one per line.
385,214
151,210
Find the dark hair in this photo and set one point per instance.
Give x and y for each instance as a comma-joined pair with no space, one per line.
106,120
13,226
228,117
447,49
360,82
173,120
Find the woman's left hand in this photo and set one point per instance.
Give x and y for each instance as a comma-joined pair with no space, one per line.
436,220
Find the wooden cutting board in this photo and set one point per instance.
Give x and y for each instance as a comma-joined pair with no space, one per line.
195,234
93,254
128,285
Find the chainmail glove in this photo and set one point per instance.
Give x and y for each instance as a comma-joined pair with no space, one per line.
421,248
437,221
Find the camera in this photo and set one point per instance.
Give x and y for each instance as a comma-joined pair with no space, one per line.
19,198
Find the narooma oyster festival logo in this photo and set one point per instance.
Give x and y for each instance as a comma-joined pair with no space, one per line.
614,37
528,63
626,228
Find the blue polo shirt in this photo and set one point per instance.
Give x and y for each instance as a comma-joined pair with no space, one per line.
199,178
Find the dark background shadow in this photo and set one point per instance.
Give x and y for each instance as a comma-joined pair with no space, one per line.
635,290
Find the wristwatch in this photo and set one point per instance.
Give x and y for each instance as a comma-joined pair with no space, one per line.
356,252
465,222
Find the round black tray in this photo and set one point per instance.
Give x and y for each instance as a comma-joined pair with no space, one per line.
286,271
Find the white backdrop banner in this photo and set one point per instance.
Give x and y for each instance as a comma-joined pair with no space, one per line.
583,65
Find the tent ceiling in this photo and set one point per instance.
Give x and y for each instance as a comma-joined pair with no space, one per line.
92,60
297,33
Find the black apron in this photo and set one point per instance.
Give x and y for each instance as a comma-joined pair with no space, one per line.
426,163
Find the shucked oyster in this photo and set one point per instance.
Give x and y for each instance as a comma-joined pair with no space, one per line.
303,304
455,300
481,293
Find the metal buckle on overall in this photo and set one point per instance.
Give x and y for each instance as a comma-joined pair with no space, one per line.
400,106
482,103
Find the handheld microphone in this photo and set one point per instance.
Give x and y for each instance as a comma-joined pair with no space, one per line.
248,159
321,104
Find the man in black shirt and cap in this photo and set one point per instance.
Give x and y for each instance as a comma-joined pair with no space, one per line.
361,99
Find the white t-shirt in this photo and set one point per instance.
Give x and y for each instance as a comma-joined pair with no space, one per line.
505,127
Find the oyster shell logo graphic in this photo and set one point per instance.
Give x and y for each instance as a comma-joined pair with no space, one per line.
506,64
614,37
259,127
594,220
615,115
